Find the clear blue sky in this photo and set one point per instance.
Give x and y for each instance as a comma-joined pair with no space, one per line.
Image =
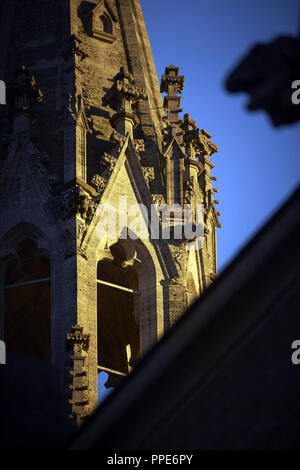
257,165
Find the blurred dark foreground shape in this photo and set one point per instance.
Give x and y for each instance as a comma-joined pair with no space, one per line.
266,73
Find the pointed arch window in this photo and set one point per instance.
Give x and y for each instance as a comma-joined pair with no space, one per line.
118,316
102,26
27,302
106,24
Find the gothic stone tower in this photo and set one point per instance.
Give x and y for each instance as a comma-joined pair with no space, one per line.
85,127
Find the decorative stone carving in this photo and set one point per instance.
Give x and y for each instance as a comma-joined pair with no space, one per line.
171,82
123,91
79,202
209,147
200,141
139,145
158,199
86,208
149,175
123,97
99,183
189,191
79,342
78,339
81,229
110,162
117,140
71,203
165,120
91,211
79,110
188,123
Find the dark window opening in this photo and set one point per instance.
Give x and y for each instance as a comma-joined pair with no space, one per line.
118,322
27,303
107,26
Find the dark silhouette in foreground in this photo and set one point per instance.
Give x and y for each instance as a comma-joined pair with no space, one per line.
266,73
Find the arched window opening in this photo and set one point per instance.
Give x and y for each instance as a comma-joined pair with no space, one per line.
118,316
106,24
27,302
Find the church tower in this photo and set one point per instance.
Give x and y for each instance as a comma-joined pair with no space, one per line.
108,218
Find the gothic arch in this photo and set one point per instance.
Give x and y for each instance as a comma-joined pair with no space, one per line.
106,24
14,236
129,265
102,23
20,231
26,291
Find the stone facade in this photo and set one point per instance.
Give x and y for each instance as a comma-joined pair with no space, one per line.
84,126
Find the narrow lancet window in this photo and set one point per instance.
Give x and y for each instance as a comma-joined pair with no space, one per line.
118,316
106,24
27,303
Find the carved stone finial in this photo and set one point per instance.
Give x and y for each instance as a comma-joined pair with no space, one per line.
109,162
22,92
149,175
171,82
188,123
199,139
117,141
78,338
99,183
79,342
123,97
139,145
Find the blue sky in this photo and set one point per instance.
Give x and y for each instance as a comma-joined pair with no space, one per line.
257,165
